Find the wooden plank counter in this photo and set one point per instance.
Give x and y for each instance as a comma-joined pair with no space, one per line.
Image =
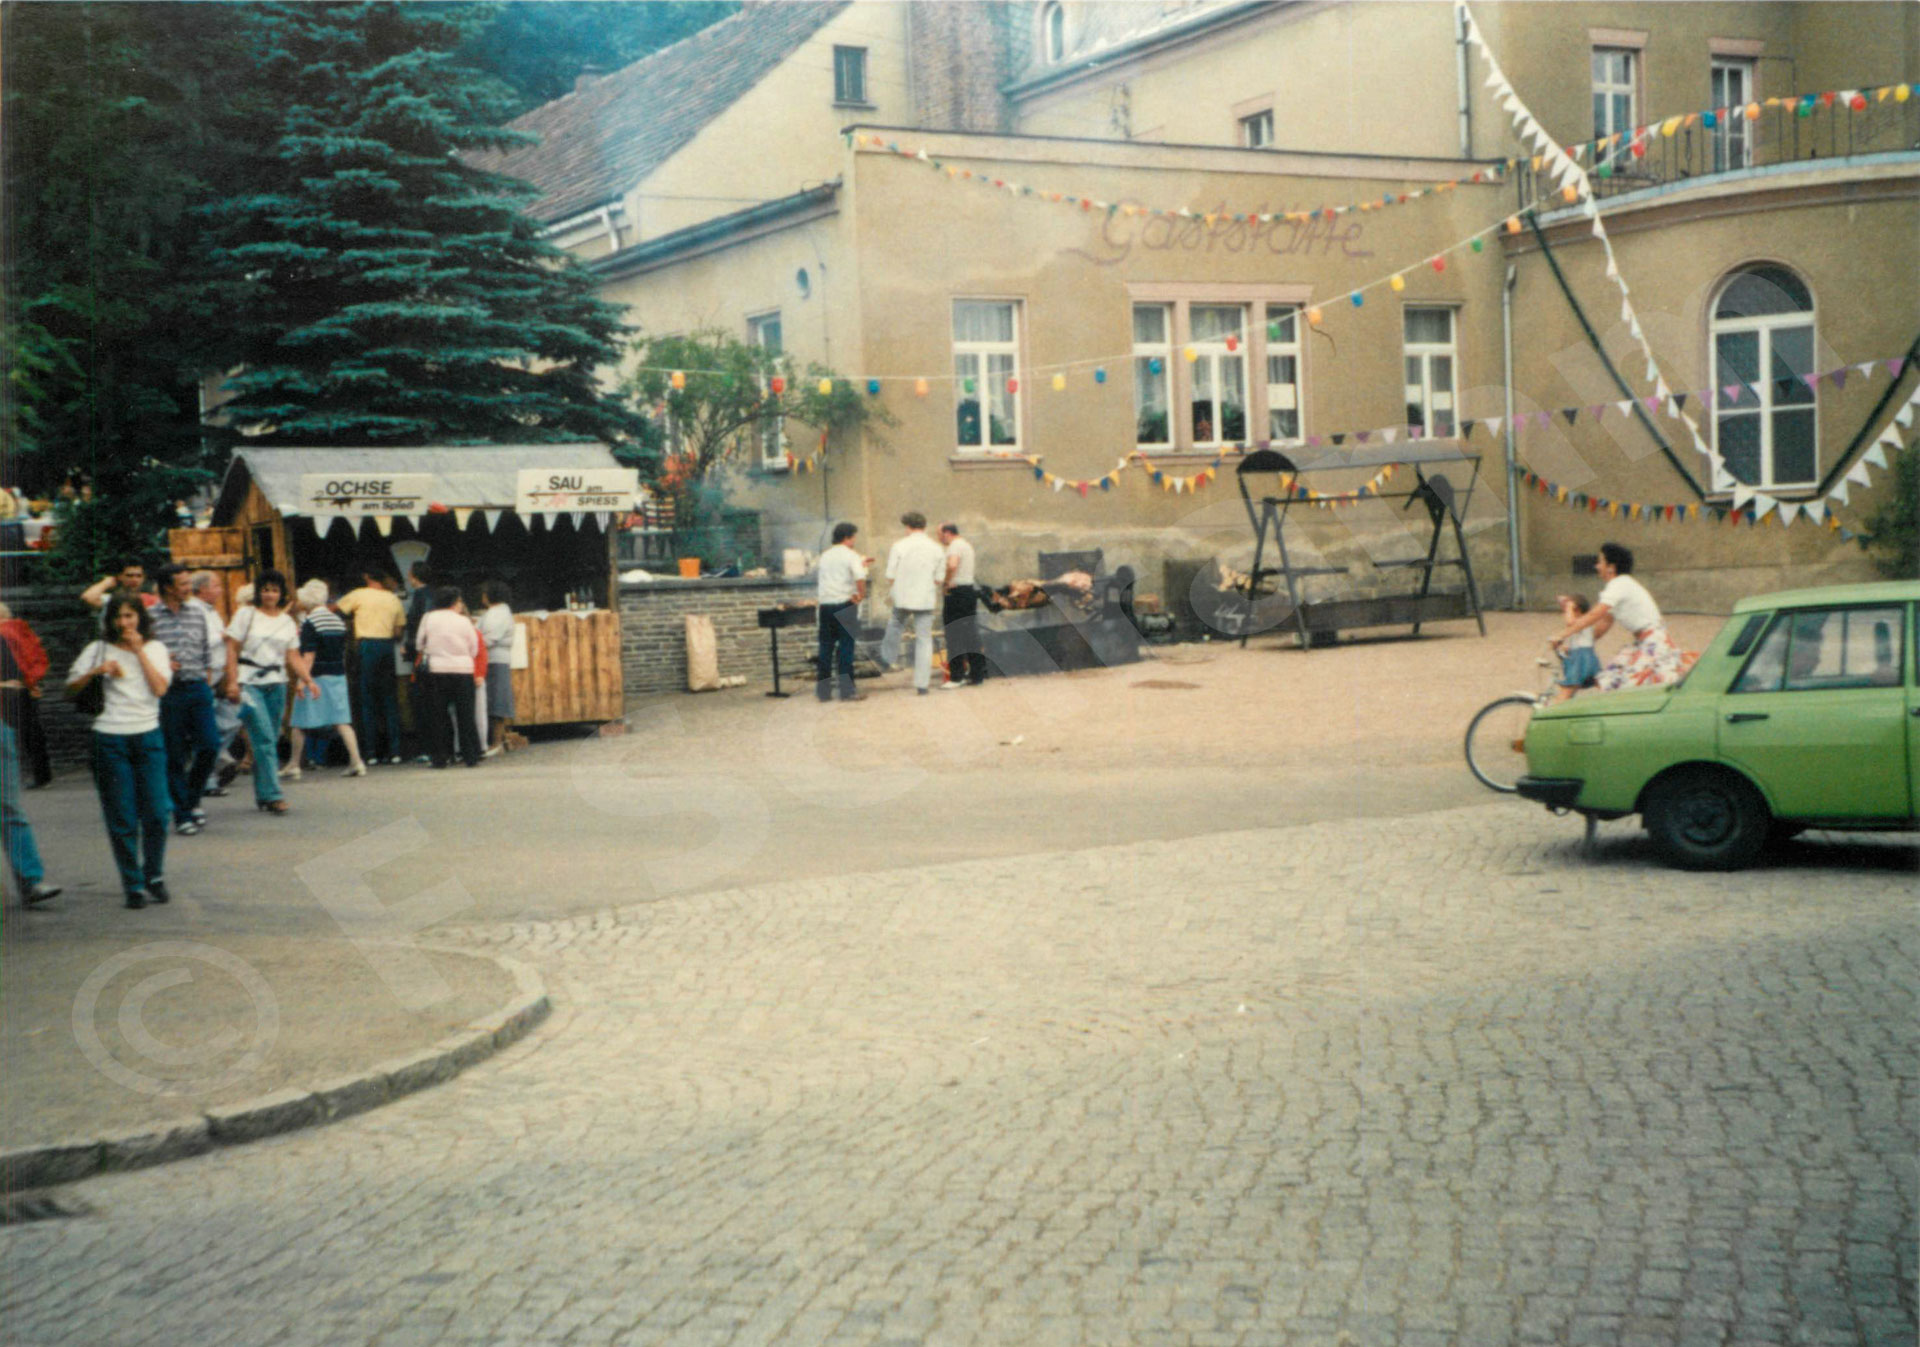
573,669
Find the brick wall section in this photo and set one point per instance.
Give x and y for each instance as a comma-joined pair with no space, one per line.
959,59
653,631
64,625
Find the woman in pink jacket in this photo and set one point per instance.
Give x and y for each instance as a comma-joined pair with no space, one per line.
448,643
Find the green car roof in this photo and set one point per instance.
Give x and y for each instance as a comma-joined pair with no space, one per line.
1889,591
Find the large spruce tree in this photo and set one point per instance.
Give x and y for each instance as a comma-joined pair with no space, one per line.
379,289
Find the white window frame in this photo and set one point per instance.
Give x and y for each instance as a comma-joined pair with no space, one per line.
1611,89
1253,299
1214,356
1286,394
1163,352
773,439
1733,137
1426,394
979,352
1256,130
844,92
1053,33
1765,326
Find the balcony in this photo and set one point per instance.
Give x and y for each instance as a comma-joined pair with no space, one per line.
1780,136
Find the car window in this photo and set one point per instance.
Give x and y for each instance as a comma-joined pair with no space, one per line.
1824,648
1744,641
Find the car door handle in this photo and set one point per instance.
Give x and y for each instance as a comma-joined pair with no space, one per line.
1736,717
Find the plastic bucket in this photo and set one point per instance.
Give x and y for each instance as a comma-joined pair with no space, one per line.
689,568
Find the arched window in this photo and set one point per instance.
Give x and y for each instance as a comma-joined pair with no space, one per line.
1765,422
1053,32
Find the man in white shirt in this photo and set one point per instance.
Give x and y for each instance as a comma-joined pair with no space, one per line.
959,613
842,584
916,567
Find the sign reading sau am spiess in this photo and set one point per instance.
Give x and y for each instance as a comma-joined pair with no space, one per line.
366,494
545,490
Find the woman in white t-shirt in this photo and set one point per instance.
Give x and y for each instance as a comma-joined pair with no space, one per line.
1650,658
129,753
263,648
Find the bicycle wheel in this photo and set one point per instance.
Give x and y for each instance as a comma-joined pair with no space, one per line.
1491,738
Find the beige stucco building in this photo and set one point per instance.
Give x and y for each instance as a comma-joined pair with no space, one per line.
871,186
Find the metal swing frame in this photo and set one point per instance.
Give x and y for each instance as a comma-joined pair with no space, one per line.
1445,506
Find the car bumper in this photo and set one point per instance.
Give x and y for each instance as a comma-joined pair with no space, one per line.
1555,792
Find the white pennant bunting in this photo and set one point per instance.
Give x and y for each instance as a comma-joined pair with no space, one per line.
1865,369
1762,505
462,515
1816,511
1858,473
1889,437
1876,456
1839,492
574,517
600,518
492,518
1390,435
1741,495
384,523
1789,511
1625,405
1905,415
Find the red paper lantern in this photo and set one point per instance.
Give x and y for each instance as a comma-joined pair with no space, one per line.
435,507
1439,264
1233,343
1858,102
1013,385
778,384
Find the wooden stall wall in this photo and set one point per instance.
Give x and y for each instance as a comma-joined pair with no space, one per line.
573,669
223,551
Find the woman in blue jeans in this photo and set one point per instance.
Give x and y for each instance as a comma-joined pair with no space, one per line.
263,650
129,754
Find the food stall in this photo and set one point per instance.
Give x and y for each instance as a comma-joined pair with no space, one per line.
539,516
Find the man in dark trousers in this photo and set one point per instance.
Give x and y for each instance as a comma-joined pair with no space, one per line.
842,584
960,613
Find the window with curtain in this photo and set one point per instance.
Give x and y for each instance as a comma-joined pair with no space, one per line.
1283,372
1765,415
1429,359
763,331
850,74
1152,369
1615,102
986,362
1219,372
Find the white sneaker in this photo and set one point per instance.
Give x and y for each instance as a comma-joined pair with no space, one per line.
361,770
290,773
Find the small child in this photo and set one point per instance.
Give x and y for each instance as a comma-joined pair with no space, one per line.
1579,664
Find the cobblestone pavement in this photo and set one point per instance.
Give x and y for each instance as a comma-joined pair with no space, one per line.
1442,1079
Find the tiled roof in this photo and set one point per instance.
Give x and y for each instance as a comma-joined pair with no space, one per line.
598,141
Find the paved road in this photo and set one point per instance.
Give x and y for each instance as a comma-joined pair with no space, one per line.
1437,1079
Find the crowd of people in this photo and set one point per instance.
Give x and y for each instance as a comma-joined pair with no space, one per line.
181,701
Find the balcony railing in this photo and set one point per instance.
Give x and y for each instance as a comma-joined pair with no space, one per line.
1780,135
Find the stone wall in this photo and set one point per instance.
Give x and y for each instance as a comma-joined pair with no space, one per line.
653,633
64,625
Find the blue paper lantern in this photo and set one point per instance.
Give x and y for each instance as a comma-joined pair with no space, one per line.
1100,376
1710,120
873,385
1358,299
1154,366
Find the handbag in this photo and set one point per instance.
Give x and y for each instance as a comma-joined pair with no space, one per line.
91,699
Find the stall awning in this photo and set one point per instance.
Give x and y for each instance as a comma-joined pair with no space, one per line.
479,476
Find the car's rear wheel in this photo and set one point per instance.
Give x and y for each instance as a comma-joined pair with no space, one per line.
1703,818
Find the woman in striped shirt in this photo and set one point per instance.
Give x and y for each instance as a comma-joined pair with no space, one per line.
323,650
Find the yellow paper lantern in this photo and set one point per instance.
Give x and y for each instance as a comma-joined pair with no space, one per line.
1313,317
1397,282
1513,224
1753,112
1191,355
678,379
1570,193
826,387
919,388
1059,383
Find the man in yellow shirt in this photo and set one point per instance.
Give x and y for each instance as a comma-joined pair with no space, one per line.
378,620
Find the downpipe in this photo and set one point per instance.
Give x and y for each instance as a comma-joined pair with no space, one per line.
1513,457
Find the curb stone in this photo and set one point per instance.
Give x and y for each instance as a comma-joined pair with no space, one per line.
288,1109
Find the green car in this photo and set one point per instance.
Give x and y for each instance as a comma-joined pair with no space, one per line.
1802,713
